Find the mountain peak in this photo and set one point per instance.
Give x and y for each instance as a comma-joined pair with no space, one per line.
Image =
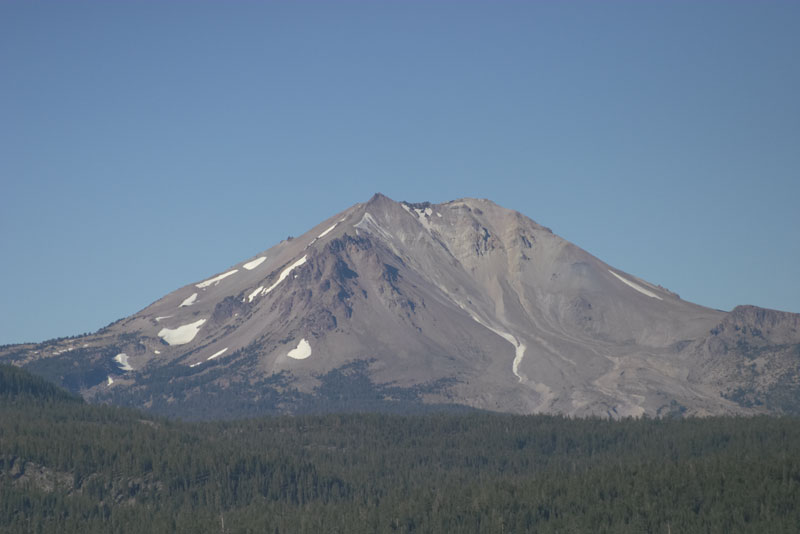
460,302
379,199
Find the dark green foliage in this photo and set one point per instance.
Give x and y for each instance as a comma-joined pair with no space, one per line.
176,390
71,467
17,385
77,369
780,395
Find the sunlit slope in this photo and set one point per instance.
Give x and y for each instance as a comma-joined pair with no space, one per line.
463,303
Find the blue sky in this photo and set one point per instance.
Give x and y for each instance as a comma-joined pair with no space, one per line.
148,145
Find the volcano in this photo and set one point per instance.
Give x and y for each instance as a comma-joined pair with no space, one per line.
399,306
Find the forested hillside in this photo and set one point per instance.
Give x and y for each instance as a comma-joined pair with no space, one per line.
66,466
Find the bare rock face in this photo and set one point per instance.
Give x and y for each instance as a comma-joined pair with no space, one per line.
753,357
412,306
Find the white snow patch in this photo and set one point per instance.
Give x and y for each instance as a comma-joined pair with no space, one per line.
110,380
181,335
406,208
636,286
261,291
250,265
519,348
255,293
195,364
326,232
122,360
218,353
424,216
302,351
216,279
165,317
189,301
285,273
438,214
157,351
519,354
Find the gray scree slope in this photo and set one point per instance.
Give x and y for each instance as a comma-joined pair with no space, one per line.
460,303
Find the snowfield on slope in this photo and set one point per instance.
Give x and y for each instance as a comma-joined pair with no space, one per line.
218,353
216,280
122,360
326,232
302,351
281,277
181,335
636,286
189,301
250,265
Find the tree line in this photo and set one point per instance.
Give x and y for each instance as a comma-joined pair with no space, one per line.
67,466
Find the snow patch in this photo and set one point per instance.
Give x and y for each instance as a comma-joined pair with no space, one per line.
301,352
255,293
195,364
281,277
218,353
519,348
181,335
285,273
636,286
215,280
110,380
122,360
424,217
157,351
519,354
250,265
165,317
326,232
189,301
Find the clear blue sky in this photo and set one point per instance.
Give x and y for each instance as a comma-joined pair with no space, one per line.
148,145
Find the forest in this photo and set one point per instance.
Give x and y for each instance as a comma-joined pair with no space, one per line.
68,466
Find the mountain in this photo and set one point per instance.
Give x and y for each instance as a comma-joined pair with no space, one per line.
402,306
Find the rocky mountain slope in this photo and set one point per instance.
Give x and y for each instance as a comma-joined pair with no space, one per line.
400,306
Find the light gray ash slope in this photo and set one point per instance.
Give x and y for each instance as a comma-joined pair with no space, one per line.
463,302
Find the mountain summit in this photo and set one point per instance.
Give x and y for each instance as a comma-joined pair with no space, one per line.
403,306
